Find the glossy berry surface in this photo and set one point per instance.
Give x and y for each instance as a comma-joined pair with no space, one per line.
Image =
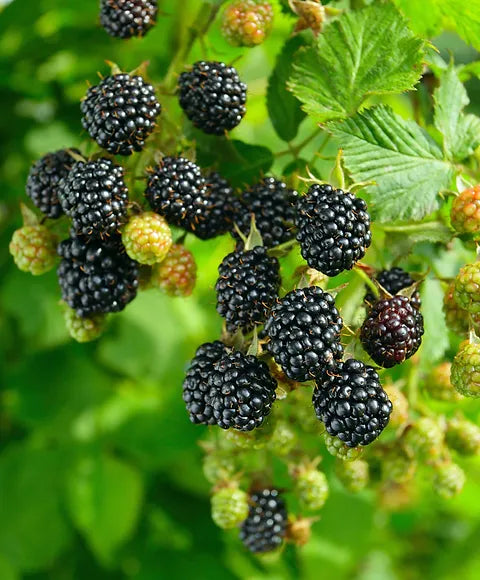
465,213
393,281
128,18
265,526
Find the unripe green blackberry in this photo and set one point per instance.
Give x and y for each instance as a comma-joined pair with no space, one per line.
399,415
229,507
425,438
247,439
176,275
438,385
465,374
467,288
398,465
455,317
299,530
247,22
83,329
282,439
463,436
218,467
338,449
34,249
147,238
449,480
465,213
354,475
311,488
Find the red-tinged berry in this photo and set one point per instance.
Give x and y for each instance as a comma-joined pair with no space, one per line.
176,275
128,18
438,386
265,527
247,22
84,329
229,507
465,212
147,238
34,249
449,480
393,331
354,475
467,288
465,371
393,281
463,436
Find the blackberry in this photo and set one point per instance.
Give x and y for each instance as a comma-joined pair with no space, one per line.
465,372
467,288
393,281
352,403
243,391
213,96
424,438
216,216
44,180
33,249
304,330
354,475
265,527
95,196
463,436
196,390
273,206
127,18
229,507
83,329
120,113
247,287
176,275
247,22
465,213
147,238
333,229
399,416
449,480
438,386
311,488
392,332
96,276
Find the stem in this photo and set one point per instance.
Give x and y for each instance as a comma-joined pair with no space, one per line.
295,149
368,281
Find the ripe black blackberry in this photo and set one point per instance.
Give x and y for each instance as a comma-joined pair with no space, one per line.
213,96
333,229
44,180
352,404
265,527
196,391
273,205
242,391
393,281
96,276
127,18
304,330
120,113
216,217
247,287
95,196
393,331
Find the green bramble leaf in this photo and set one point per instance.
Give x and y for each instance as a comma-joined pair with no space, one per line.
400,157
283,108
363,53
461,132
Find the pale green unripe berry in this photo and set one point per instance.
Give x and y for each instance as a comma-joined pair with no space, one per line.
229,507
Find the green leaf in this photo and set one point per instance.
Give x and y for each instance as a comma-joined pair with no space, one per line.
400,157
283,108
426,231
461,132
435,340
366,52
104,496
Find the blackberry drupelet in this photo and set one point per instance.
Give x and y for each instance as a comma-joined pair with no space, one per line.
333,229
352,403
127,18
96,276
120,113
304,330
393,331
247,287
273,206
95,196
44,178
196,390
213,96
242,391
265,527
393,281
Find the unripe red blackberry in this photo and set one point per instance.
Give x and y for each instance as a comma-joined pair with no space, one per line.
465,372
229,507
95,196
34,249
265,526
176,275
247,287
467,288
127,18
438,385
424,438
212,96
393,281
243,391
147,238
120,113
84,329
311,488
44,181
273,206
449,480
351,403
465,213
354,475
247,22
463,436
333,229
304,330
393,331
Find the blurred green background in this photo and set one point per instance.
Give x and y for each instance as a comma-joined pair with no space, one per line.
100,470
